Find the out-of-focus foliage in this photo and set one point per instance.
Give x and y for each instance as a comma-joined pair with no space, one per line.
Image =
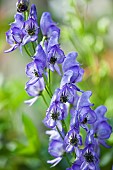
23,142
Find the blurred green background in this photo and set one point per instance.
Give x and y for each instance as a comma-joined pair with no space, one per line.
86,27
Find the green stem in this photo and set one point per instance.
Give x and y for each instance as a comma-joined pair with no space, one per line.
68,160
64,126
48,92
27,51
49,78
44,100
26,15
59,132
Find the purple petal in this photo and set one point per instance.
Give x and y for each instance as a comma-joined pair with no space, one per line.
33,12
84,99
45,22
66,78
12,48
56,148
30,102
19,21
104,130
54,161
53,40
100,111
70,61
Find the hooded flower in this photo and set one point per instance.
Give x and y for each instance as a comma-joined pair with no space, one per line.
72,140
56,146
83,114
15,35
55,55
34,90
31,26
55,113
47,25
71,69
101,128
36,68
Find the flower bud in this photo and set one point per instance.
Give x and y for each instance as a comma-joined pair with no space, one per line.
22,5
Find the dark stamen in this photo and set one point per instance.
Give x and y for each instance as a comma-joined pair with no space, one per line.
54,116
89,157
85,120
74,141
35,73
53,60
63,99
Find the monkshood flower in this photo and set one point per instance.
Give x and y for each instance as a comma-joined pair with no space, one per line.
31,26
55,55
36,68
102,131
101,128
32,72
71,69
67,94
82,114
56,149
88,158
72,140
56,146
22,32
40,59
15,35
22,5
47,25
55,113
34,90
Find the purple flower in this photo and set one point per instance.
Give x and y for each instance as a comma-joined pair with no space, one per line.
34,90
71,69
56,146
32,72
67,93
47,25
40,59
72,140
101,128
83,114
31,26
36,68
16,33
87,159
55,55
22,5
56,112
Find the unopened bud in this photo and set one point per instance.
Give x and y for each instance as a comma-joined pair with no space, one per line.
22,5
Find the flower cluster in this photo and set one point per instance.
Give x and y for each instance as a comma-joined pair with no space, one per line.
70,112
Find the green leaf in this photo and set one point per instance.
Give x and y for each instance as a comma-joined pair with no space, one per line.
31,132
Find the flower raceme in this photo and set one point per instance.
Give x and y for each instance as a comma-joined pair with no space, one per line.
22,32
70,111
